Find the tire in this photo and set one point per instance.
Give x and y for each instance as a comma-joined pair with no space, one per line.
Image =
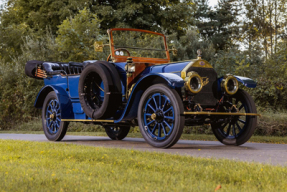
242,126
114,75
155,121
53,127
117,132
97,93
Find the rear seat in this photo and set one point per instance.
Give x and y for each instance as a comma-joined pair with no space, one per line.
71,68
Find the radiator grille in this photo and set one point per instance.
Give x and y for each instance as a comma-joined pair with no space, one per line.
208,96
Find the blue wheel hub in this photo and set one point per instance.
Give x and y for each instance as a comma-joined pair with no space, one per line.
159,116
53,116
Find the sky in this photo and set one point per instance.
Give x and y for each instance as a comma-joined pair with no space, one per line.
213,2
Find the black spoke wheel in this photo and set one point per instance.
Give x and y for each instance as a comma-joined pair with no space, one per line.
159,116
53,127
236,130
117,132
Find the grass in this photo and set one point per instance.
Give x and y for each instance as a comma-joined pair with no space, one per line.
37,166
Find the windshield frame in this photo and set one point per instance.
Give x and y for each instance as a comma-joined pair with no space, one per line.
118,58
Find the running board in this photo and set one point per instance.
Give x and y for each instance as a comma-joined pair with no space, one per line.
89,120
221,113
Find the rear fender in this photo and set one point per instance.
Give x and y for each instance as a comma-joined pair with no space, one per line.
172,80
63,98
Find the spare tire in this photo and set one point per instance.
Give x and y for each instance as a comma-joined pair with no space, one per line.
115,77
97,93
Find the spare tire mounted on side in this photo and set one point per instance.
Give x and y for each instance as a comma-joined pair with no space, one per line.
98,94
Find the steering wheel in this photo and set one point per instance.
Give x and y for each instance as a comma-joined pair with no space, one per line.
119,49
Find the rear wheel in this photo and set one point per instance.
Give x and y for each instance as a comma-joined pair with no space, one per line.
236,130
159,116
53,127
117,132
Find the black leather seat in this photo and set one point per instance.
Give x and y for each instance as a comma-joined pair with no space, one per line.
71,68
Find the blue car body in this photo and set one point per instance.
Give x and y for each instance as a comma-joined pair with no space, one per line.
66,89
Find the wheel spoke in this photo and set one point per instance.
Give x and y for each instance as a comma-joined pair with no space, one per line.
164,103
228,130
150,122
168,117
233,130
163,128
167,110
236,101
49,124
222,127
159,130
159,101
155,103
153,130
239,128
240,107
147,114
242,121
167,124
151,107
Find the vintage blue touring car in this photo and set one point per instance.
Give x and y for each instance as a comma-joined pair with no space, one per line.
138,86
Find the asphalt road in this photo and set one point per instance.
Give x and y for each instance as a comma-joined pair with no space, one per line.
275,154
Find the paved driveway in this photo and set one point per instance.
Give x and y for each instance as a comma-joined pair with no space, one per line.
275,154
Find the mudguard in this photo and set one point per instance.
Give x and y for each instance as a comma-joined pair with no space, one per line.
247,82
130,111
63,97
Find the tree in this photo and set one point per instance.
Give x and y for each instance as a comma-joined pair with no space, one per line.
188,44
76,36
171,15
219,25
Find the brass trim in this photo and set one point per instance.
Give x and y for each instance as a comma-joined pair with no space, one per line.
89,120
187,83
194,63
225,81
220,113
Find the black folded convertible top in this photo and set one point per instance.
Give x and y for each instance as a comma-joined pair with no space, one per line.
31,67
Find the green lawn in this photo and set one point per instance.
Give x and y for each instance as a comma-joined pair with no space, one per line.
40,166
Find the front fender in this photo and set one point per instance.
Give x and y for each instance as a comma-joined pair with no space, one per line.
247,82
62,96
172,80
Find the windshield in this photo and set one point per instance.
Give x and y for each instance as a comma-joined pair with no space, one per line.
139,44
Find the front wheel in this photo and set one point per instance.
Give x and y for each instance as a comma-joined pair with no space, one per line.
160,116
236,130
53,127
117,132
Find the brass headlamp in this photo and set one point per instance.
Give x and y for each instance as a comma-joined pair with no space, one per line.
229,84
194,82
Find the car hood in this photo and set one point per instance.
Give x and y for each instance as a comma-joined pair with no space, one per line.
175,67
178,68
